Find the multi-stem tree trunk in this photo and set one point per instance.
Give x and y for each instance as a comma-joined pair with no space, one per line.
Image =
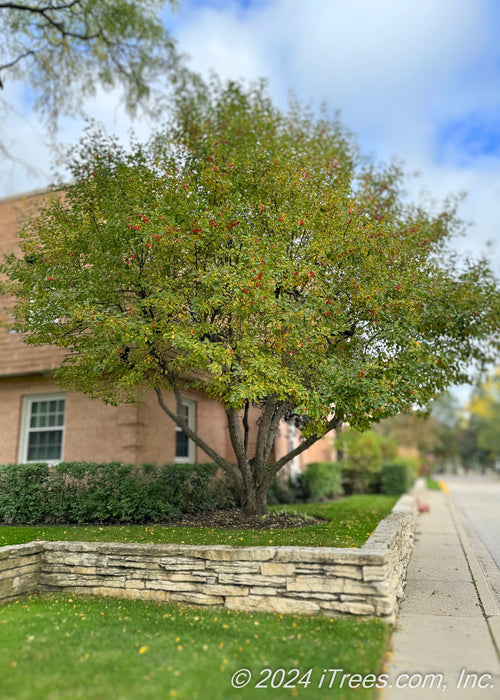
252,485
254,502
256,474
253,476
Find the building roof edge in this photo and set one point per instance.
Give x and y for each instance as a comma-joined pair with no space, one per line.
29,195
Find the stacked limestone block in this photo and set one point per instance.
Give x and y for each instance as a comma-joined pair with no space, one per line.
19,569
368,581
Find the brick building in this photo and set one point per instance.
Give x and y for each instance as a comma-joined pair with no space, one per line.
40,421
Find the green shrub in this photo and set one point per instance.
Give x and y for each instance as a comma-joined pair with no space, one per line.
364,454
283,491
322,481
21,491
84,492
396,477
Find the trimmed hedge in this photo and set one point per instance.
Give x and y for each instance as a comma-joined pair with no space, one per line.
322,481
84,492
397,477
282,490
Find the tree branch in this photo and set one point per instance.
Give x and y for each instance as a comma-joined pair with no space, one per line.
273,428
246,426
235,434
263,432
16,60
59,26
179,420
27,8
334,423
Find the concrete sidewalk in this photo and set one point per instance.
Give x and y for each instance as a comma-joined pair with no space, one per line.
449,619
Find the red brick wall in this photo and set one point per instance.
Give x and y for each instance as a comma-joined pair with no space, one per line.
15,356
93,431
132,433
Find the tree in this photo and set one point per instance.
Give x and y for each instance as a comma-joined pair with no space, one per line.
63,49
446,427
484,410
411,432
446,438
473,456
250,253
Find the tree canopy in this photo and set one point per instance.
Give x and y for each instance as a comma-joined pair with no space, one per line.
63,50
253,254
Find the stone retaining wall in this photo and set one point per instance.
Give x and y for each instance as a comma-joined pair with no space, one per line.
20,567
368,581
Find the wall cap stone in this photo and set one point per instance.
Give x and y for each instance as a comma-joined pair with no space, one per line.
11,550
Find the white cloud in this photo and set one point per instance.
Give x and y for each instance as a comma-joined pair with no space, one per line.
374,58
399,72
219,41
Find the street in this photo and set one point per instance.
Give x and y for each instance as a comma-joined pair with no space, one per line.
478,501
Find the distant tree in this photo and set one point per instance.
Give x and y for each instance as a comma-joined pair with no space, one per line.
441,435
411,431
247,252
62,51
472,455
443,428
484,408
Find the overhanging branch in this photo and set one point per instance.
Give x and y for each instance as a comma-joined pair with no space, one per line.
179,420
334,423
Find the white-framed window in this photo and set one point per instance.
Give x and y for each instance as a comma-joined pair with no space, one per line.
42,428
184,447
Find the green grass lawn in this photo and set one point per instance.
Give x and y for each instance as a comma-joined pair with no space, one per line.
432,484
60,647
349,522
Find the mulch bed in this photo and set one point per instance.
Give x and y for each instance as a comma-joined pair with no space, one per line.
235,520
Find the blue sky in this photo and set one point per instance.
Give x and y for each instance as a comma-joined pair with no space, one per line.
468,139
419,81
